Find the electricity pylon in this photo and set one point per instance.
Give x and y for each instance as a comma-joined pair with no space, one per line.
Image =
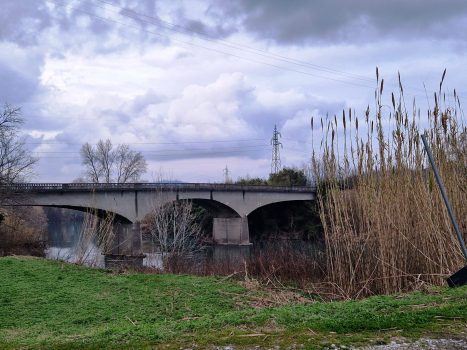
226,174
276,156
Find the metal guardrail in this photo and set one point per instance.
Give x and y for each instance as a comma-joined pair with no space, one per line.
151,186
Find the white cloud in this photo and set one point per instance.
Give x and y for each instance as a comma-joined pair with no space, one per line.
80,79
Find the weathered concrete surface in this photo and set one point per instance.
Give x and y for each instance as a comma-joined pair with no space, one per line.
230,205
127,240
133,205
233,231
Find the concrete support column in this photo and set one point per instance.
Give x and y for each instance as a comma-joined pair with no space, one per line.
233,255
127,245
233,231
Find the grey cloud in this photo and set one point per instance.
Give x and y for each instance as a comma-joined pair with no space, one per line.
15,86
143,101
316,21
97,26
149,8
255,113
22,21
220,30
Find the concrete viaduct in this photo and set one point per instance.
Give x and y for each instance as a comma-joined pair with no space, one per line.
229,204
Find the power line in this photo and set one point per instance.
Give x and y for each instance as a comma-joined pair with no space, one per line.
218,51
230,54
238,47
141,143
246,48
297,141
168,150
147,121
173,155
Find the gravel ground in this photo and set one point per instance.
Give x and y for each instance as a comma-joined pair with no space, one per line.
448,343
423,343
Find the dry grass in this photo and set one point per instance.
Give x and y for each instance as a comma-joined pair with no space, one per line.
385,223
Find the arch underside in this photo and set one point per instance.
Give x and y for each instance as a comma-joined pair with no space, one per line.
221,210
217,209
101,213
280,202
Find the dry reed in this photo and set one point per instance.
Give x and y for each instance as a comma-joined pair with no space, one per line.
385,223
95,238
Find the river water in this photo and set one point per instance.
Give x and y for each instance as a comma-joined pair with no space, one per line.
64,239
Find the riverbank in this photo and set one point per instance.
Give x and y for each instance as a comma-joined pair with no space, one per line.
56,305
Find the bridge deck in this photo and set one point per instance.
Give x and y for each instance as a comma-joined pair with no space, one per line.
78,187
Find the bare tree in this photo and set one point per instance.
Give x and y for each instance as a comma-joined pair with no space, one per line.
16,161
106,164
89,158
172,223
106,157
130,165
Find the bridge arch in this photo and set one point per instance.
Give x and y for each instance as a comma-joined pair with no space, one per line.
217,209
101,213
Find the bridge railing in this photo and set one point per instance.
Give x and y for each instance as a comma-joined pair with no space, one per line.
151,186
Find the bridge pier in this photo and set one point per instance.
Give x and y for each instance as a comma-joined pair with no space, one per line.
126,247
231,231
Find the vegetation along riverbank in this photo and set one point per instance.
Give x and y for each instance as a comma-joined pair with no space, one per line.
55,305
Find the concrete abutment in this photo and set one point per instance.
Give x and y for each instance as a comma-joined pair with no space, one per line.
231,231
126,247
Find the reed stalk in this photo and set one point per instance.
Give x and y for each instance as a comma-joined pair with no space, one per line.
95,238
385,224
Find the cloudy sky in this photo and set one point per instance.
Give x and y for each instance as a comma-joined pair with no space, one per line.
198,85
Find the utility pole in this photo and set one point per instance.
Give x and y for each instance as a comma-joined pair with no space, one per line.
276,156
226,174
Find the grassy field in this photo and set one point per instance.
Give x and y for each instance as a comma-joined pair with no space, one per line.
54,305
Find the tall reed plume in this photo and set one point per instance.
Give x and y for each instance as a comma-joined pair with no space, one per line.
385,223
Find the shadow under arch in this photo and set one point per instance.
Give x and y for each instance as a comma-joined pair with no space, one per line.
217,209
101,213
295,219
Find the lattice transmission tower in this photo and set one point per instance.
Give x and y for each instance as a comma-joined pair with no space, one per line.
276,155
226,174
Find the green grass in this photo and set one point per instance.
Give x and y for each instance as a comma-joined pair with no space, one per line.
55,305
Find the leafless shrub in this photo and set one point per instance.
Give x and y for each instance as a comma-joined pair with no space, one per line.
173,229
172,226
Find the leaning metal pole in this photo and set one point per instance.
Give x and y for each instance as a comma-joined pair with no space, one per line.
441,187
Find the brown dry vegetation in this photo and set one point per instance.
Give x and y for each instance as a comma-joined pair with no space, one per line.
283,269
386,226
23,231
